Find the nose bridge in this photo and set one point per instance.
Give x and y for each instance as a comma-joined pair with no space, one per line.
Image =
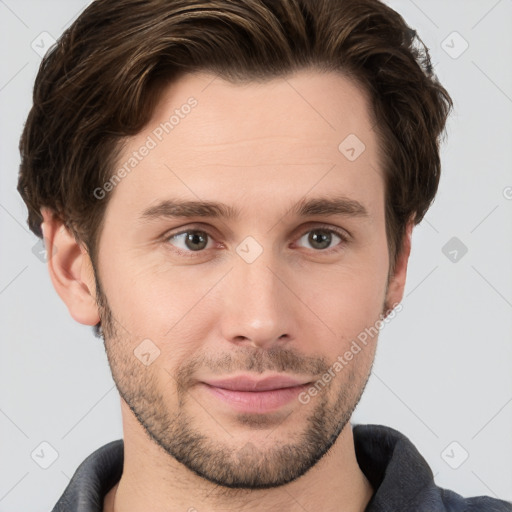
258,284
253,268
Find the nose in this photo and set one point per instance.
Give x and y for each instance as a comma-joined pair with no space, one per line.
258,308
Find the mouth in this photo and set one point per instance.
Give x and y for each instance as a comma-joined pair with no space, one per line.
249,395
248,383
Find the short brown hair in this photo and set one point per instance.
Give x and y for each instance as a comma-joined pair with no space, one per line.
100,84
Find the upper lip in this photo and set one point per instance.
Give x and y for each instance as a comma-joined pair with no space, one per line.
247,383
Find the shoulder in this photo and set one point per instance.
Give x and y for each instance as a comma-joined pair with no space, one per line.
402,479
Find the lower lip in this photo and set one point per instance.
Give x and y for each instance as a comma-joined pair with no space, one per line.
256,401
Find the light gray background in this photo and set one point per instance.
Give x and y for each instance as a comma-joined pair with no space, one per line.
443,366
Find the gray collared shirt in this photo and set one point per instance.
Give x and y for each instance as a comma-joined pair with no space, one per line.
399,475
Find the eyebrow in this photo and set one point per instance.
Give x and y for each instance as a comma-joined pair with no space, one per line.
323,206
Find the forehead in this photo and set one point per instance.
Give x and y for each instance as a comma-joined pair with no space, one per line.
310,131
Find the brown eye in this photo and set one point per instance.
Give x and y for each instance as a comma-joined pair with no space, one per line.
322,239
192,240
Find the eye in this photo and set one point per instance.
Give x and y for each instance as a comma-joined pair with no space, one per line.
322,238
193,240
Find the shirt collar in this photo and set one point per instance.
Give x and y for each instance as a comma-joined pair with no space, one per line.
401,478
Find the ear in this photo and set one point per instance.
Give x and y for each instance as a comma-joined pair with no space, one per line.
397,278
70,269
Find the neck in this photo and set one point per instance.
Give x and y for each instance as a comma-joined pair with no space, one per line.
152,480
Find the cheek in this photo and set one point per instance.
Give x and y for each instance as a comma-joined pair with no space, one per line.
349,308
347,299
164,306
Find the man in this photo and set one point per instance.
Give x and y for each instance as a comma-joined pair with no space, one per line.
227,191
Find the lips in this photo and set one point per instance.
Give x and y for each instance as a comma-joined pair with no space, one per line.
247,383
247,394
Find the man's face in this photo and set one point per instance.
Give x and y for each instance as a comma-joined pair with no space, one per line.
265,291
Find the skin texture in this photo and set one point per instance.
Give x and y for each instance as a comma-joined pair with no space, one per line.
260,148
